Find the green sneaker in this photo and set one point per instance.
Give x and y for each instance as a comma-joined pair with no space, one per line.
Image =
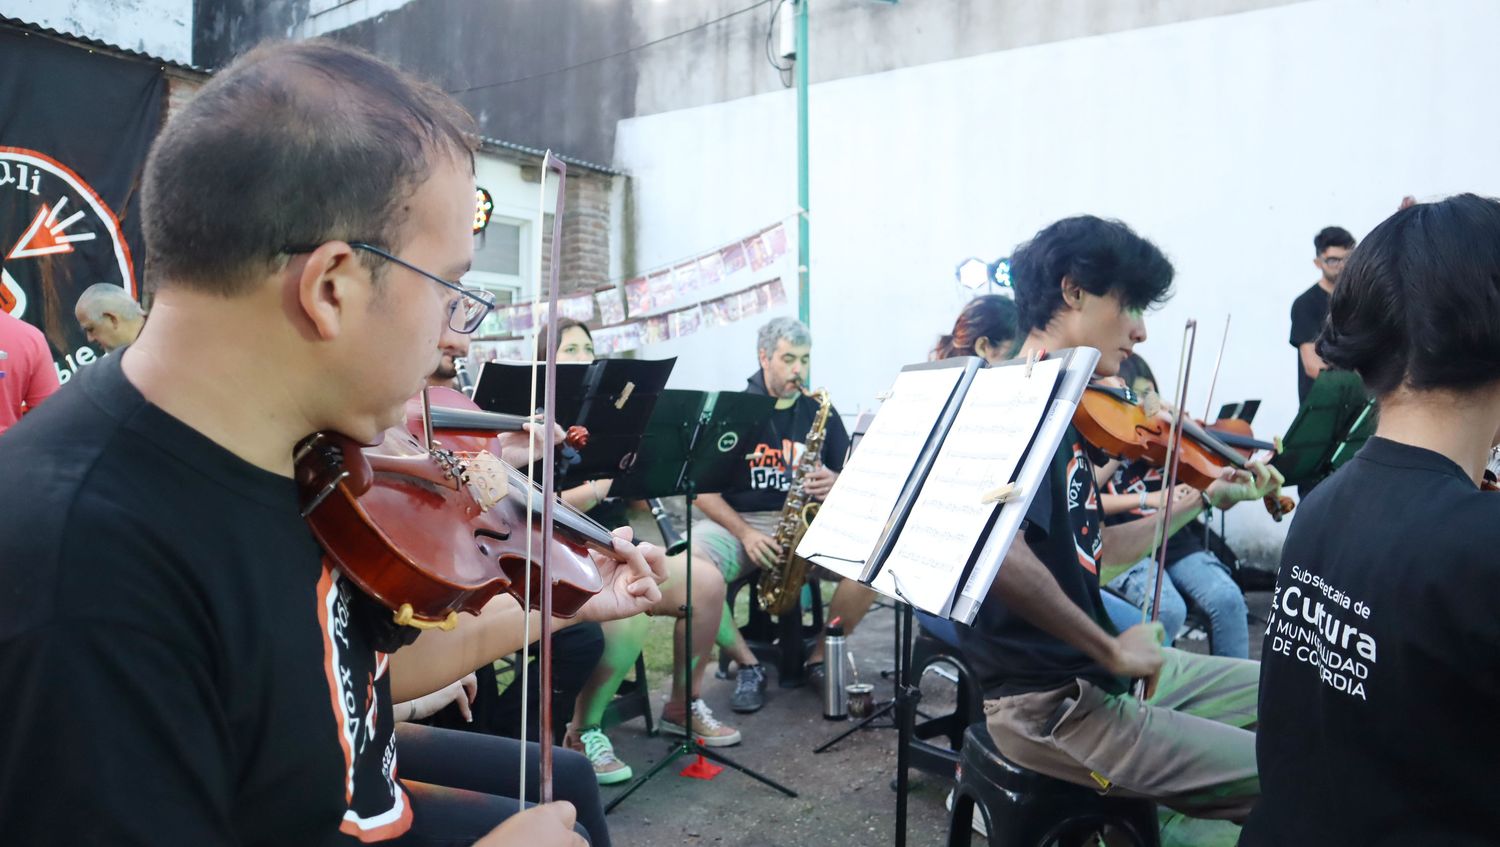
594,744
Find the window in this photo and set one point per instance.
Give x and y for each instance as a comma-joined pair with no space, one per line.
497,250
501,268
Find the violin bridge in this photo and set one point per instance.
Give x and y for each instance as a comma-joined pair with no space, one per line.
486,479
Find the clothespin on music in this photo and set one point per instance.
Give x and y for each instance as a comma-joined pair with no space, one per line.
1004,494
625,395
885,395
1032,358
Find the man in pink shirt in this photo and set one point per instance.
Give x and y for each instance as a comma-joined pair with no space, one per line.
27,375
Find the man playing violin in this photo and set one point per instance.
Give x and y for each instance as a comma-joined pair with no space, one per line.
1378,683
1057,674
180,664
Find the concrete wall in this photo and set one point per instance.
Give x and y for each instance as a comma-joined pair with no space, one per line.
563,73
162,28
1229,141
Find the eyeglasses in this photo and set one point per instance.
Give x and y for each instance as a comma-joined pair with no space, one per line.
1334,261
464,314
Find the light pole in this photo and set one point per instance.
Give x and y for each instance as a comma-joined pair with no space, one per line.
804,310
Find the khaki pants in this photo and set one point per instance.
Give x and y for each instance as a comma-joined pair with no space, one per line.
1191,746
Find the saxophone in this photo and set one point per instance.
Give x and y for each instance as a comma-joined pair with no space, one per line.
781,584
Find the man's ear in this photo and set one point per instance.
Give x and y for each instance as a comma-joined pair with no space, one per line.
1072,293
323,287
114,320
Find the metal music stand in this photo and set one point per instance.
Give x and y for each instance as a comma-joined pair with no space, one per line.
694,442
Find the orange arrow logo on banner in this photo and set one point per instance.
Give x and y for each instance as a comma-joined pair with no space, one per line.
44,237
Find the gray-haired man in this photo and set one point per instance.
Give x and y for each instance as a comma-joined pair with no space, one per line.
109,316
737,533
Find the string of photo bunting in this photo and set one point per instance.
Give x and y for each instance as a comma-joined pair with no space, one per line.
656,306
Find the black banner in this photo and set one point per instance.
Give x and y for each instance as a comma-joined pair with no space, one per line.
75,126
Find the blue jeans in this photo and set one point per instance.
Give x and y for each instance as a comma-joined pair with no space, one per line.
1138,585
1206,581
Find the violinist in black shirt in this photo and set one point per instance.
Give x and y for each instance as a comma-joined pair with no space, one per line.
181,664
1379,688
1056,672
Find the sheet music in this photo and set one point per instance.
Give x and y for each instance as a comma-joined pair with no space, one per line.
1000,413
851,519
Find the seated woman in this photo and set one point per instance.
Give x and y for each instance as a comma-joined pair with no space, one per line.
623,639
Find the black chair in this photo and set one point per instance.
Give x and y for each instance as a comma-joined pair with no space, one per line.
1023,808
784,640
633,700
941,759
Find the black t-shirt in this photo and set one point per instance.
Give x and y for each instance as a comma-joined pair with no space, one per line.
1062,528
178,666
778,445
1135,477
1380,682
1309,311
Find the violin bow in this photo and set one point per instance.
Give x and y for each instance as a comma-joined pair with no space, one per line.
550,162
1174,454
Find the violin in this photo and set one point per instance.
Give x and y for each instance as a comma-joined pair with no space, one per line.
432,531
1112,420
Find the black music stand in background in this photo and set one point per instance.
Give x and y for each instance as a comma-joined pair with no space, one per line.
1333,423
694,442
612,398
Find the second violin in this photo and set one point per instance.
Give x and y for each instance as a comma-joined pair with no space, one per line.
1113,420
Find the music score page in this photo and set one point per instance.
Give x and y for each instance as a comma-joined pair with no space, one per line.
850,521
999,415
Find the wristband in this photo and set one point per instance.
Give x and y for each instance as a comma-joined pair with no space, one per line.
1143,500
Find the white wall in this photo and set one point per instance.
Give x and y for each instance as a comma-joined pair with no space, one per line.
162,28
1229,141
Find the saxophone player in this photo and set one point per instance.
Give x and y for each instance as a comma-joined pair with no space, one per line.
737,532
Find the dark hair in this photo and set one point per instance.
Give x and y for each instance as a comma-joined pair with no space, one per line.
293,143
1419,300
543,349
1133,368
1332,236
1100,256
990,316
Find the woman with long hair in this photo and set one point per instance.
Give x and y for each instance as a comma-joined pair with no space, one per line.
623,639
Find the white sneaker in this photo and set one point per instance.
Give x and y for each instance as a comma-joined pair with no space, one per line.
977,821
705,726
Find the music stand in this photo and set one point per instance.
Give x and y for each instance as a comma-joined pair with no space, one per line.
694,442
612,398
1334,422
